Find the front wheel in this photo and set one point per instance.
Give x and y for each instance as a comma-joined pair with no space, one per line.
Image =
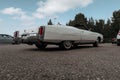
118,44
66,45
95,44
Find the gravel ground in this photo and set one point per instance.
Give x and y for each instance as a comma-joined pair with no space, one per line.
23,62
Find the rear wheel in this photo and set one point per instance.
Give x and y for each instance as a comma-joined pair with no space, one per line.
66,45
41,45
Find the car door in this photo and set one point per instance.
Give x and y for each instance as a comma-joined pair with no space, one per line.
8,39
5,38
87,36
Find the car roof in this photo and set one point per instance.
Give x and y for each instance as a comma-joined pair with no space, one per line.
5,35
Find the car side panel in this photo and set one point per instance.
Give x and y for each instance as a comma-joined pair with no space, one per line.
62,33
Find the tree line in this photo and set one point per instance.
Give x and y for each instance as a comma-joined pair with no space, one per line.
108,28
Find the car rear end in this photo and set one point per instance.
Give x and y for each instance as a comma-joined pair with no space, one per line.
118,38
33,36
30,36
41,32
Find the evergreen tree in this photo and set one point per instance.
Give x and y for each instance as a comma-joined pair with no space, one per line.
99,26
80,21
50,22
108,29
91,24
115,23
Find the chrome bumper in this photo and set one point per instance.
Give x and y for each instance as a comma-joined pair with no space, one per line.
29,39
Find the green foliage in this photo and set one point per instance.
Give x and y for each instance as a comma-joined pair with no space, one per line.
91,24
115,22
80,21
99,26
109,29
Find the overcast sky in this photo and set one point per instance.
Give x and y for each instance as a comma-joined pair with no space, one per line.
24,14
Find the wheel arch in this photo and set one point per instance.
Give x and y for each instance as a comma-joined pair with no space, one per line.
99,39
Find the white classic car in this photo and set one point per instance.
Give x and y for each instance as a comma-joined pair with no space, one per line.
64,36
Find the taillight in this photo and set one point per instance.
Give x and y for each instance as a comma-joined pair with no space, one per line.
41,31
16,34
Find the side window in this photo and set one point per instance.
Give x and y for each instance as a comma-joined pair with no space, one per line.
4,36
9,36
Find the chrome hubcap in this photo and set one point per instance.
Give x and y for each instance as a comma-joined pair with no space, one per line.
67,44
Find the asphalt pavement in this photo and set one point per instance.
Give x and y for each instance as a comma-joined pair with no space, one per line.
24,62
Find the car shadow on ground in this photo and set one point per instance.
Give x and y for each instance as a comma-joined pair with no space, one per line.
5,44
56,48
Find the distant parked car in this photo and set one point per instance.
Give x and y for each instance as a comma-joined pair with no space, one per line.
114,40
118,38
5,39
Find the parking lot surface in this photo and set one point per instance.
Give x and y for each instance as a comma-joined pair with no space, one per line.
24,62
